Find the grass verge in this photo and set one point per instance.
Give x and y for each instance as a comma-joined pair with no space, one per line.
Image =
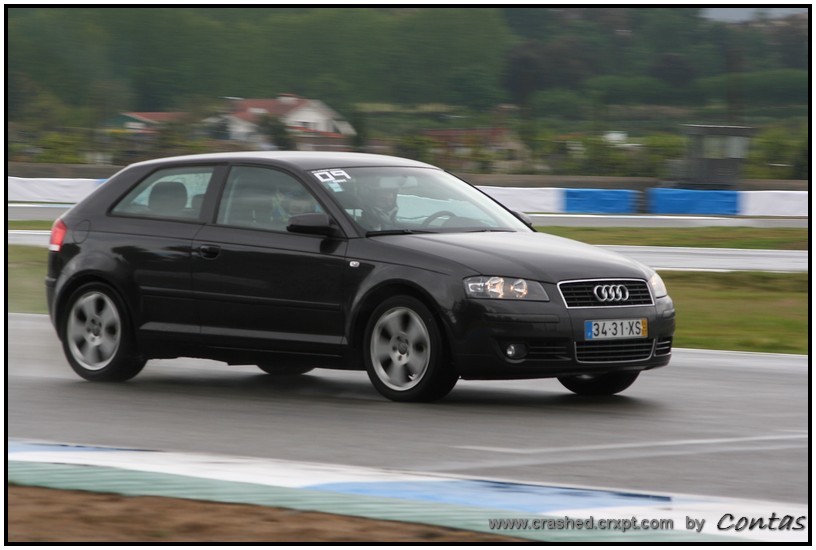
25,279
756,238
29,224
705,237
748,311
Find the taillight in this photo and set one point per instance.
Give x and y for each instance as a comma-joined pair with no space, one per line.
58,231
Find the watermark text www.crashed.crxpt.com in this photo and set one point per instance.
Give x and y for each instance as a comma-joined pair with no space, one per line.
590,523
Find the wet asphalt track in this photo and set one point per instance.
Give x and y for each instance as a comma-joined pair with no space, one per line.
711,423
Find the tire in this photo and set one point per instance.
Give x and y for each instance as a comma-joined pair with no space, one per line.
608,383
403,352
283,370
96,335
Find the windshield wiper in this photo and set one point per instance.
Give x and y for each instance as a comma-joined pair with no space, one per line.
490,231
396,232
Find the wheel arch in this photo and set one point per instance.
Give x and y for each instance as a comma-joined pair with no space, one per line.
74,283
369,302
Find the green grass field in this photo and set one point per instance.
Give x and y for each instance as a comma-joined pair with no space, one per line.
28,224
748,311
25,279
765,312
756,238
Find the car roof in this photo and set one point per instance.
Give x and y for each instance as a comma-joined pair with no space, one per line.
303,160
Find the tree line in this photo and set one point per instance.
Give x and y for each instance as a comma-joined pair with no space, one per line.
572,72
107,60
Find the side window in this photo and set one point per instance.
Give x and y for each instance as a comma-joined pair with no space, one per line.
173,193
262,198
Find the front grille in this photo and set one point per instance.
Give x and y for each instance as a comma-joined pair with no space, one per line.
549,349
614,351
663,346
581,293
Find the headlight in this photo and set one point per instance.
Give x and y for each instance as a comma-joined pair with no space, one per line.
658,286
504,288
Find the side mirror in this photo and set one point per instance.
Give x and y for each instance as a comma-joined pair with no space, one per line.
527,220
312,224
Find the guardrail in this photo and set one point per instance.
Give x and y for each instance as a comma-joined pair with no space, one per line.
553,200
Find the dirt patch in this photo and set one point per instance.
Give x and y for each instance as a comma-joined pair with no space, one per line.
48,515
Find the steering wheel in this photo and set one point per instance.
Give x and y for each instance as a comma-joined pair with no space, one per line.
436,215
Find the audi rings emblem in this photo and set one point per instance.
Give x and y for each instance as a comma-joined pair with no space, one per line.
611,293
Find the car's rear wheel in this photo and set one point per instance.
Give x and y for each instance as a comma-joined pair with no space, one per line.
283,370
96,336
403,352
608,383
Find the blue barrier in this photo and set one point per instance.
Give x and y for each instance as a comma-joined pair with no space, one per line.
688,201
600,201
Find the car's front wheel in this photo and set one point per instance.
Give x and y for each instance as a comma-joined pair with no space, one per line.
608,383
96,336
403,352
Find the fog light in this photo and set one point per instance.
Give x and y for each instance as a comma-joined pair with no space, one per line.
515,351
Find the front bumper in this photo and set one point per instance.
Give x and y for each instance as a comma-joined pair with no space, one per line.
549,339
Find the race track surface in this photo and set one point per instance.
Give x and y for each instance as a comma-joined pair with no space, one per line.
711,423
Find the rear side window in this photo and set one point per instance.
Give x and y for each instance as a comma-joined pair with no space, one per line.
262,198
172,193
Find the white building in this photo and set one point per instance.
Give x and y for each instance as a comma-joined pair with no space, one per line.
310,121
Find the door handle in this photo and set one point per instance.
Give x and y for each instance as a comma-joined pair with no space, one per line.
209,251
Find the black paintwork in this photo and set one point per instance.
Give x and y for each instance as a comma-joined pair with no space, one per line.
194,288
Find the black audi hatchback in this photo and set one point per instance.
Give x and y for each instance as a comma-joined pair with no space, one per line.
296,260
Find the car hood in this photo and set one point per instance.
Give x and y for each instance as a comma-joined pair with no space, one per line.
536,256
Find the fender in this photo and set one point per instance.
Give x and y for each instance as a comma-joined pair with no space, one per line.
434,289
95,265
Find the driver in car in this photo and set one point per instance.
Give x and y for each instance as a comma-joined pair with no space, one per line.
381,210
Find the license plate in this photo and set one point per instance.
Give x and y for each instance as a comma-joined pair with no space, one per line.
616,328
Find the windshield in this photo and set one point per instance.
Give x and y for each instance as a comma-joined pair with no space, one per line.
403,200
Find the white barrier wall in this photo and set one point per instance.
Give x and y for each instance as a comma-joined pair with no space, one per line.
774,203
49,189
523,199
528,199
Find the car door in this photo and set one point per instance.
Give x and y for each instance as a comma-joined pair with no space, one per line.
150,233
259,286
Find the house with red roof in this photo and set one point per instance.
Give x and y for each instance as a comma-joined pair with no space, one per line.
144,122
312,123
